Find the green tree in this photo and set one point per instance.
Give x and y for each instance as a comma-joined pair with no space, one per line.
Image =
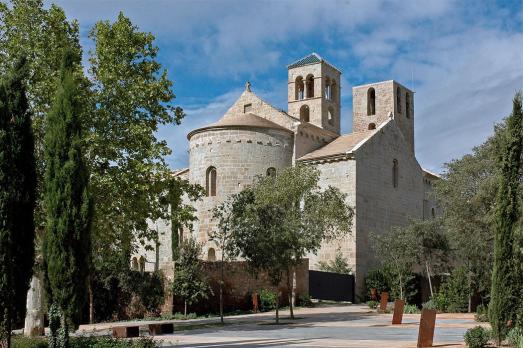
300,215
17,199
338,265
68,206
398,250
505,285
189,282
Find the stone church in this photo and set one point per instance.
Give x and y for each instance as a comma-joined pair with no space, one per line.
375,164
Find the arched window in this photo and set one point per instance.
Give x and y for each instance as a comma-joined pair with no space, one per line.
330,115
271,172
142,264
328,90
371,101
210,182
134,266
407,105
211,255
310,86
395,170
398,99
334,91
372,126
300,88
304,113
433,212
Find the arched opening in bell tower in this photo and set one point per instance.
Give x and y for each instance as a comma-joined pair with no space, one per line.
304,113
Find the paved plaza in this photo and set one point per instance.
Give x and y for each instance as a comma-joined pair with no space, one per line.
320,327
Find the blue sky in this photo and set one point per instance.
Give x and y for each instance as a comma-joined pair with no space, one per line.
464,59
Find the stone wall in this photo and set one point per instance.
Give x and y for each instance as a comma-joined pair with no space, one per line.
239,155
240,283
380,205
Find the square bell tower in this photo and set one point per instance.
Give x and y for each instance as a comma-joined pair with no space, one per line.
314,92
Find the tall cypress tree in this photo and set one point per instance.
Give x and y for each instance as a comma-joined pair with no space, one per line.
68,207
505,285
17,199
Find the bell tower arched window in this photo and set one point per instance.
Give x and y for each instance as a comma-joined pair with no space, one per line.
330,115
407,104
371,102
334,91
300,88
310,86
328,89
210,182
304,113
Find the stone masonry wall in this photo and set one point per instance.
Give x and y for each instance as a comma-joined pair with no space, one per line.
380,205
239,155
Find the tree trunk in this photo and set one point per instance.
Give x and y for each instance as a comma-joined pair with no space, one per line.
221,292
401,288
35,312
185,308
91,302
289,293
277,308
430,281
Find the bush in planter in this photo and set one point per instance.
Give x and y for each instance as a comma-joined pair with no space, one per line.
410,309
372,304
477,337
267,300
376,279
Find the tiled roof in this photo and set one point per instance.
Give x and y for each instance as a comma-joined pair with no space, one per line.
241,120
310,59
339,146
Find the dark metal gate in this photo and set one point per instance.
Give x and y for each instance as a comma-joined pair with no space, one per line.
331,286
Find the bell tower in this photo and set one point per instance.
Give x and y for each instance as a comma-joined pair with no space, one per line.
314,92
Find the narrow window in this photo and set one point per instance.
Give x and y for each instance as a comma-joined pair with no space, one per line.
142,264
134,266
330,116
304,113
271,172
395,173
211,255
371,102
334,91
372,126
398,99
210,182
310,86
247,108
407,105
299,87
433,212
328,91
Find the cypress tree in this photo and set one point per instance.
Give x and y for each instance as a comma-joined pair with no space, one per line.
505,285
68,207
17,200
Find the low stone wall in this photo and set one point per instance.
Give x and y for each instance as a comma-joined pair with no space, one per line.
239,284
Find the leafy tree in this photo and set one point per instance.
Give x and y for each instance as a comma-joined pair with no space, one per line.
68,206
338,265
17,199
222,236
299,215
398,250
189,282
505,285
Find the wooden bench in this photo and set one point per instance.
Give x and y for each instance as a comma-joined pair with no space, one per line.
126,331
160,329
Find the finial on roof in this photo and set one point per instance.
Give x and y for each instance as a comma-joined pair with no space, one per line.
248,86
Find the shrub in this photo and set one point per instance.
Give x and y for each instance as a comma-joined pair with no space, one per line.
410,309
515,337
453,295
430,304
477,337
376,279
372,304
181,316
28,342
86,342
305,301
267,300
481,313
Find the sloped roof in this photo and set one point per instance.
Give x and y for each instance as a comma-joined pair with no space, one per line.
249,120
341,145
312,58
